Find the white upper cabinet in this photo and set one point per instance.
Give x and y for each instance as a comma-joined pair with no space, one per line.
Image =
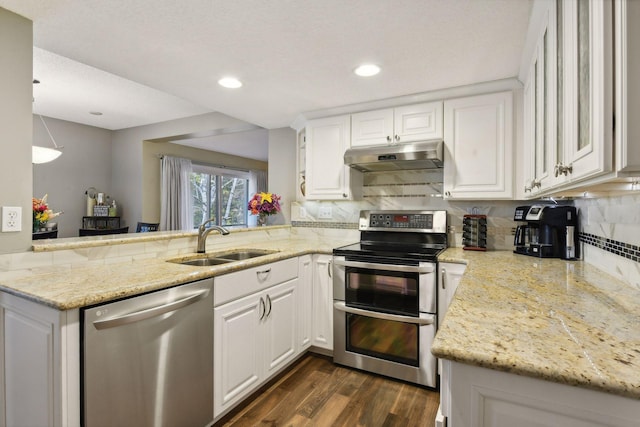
542,139
568,95
327,177
587,90
627,66
409,123
478,136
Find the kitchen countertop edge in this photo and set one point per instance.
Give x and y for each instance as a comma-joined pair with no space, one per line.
535,317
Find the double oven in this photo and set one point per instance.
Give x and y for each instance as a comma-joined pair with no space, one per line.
385,295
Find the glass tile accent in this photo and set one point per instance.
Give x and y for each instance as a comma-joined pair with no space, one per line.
625,250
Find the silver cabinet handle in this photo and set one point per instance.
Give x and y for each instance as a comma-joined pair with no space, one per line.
269,301
263,309
388,138
389,267
444,274
397,138
149,312
263,273
429,319
329,269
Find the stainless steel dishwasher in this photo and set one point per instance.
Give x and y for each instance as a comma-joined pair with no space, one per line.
148,360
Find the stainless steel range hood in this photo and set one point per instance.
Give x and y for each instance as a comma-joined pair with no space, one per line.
417,155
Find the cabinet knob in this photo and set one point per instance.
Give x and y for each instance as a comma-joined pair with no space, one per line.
447,193
345,195
388,138
397,138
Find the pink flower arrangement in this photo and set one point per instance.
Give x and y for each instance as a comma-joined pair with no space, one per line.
264,204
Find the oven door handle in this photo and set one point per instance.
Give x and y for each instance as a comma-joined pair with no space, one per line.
428,319
428,268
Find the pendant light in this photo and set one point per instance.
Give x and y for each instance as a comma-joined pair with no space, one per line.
44,154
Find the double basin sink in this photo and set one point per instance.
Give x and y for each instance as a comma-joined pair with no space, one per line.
206,260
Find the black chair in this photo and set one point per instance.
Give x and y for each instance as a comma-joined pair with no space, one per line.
102,231
144,227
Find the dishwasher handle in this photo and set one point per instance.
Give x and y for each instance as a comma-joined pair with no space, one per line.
149,312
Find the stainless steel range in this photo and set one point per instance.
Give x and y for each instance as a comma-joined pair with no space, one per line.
384,290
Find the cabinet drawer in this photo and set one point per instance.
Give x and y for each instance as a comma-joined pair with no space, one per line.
235,285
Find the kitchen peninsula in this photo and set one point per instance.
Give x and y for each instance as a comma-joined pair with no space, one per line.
41,306
538,342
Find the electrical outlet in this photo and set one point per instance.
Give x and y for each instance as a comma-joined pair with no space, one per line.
11,218
325,212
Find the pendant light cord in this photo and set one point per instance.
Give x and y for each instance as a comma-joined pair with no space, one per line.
49,132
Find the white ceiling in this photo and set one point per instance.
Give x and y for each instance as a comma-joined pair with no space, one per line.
146,61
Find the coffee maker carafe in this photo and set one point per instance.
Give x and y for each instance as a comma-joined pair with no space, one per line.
551,231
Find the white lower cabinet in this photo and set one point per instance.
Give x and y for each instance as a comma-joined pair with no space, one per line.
40,364
305,304
486,398
253,338
449,276
322,300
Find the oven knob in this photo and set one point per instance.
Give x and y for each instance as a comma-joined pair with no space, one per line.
387,223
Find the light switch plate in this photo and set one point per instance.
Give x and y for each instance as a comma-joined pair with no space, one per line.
11,218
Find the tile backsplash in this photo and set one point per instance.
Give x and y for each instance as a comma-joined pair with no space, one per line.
409,190
610,235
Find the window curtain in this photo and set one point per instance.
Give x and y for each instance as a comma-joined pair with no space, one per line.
260,179
175,194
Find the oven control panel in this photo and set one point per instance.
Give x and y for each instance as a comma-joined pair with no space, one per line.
432,221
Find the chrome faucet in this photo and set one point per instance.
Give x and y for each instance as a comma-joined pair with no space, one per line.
203,232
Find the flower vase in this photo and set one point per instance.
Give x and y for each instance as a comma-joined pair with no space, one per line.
262,220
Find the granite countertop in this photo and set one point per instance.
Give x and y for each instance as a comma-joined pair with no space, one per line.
561,321
81,287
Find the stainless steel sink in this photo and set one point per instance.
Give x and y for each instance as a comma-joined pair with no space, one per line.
206,260
203,262
241,255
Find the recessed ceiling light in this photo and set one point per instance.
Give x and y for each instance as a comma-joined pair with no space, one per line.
95,113
367,70
230,82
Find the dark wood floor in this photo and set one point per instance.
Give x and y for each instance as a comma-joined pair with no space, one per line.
318,393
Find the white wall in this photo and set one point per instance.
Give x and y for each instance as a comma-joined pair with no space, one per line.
85,162
16,89
282,170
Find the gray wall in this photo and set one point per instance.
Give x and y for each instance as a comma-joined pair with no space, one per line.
138,190
85,162
16,87
282,170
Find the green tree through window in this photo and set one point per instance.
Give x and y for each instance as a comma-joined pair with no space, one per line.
222,197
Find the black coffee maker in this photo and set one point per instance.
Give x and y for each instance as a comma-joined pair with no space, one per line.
551,231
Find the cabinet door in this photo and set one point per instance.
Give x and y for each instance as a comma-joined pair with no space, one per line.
627,91
305,289
449,277
478,136
322,302
238,359
540,109
588,88
280,325
418,122
327,176
372,128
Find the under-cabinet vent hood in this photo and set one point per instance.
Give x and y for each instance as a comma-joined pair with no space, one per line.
417,155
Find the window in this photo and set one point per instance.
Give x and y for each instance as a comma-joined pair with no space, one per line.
221,194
